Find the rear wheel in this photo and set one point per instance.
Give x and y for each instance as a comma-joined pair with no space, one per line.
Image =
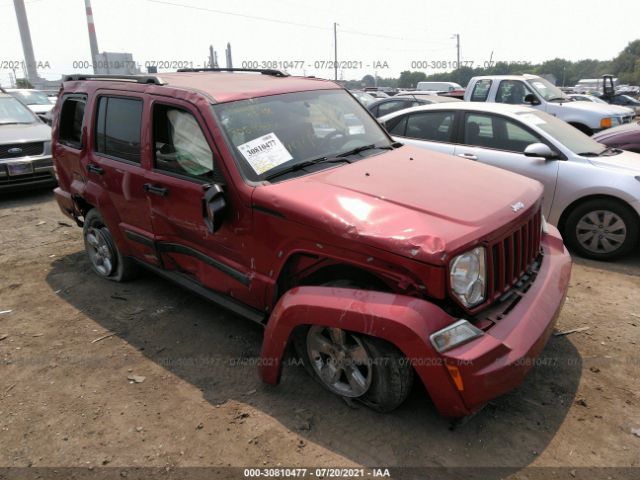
104,256
602,229
353,365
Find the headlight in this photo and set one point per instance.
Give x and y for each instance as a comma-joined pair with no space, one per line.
467,277
453,335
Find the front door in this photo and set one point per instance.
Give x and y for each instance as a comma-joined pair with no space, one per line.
499,141
183,168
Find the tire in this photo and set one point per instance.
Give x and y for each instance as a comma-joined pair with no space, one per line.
386,375
601,229
105,258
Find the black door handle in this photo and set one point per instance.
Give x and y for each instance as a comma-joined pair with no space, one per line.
155,189
95,169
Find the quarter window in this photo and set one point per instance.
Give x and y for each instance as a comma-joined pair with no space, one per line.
71,118
179,144
118,128
481,91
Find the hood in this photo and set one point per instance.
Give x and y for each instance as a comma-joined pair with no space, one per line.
598,108
627,131
413,202
627,161
33,132
41,108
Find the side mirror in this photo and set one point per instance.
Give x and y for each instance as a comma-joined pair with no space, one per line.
539,150
214,207
531,99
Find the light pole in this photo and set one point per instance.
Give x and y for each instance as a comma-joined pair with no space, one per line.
335,51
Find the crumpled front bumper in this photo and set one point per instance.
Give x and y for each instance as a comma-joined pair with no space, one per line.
460,380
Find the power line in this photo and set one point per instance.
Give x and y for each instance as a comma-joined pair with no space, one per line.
284,22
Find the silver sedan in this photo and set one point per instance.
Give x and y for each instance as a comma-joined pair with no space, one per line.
592,192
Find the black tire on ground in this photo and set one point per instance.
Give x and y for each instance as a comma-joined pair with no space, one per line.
392,373
121,268
612,221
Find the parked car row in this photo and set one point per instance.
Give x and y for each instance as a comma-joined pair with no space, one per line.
284,200
592,192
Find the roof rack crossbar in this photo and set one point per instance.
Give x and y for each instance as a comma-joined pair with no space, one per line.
263,71
148,79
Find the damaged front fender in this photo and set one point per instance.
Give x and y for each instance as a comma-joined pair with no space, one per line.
403,321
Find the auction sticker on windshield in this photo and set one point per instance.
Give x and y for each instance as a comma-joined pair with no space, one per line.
265,153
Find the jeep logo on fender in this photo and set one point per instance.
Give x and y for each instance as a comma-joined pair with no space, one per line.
517,206
14,150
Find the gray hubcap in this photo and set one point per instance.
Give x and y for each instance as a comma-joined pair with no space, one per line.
99,251
340,361
601,231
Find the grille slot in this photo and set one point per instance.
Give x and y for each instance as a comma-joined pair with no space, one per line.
512,256
26,149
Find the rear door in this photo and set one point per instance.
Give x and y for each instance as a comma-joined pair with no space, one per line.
432,130
116,163
69,143
500,141
184,167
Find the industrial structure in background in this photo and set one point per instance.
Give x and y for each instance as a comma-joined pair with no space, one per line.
213,57
104,63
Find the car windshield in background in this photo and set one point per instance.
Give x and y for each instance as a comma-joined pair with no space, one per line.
14,112
32,98
547,90
569,136
271,134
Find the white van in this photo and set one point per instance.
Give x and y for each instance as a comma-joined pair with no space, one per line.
438,86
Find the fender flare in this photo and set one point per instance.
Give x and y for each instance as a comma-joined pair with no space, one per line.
403,321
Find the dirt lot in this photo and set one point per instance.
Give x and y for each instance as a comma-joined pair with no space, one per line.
66,400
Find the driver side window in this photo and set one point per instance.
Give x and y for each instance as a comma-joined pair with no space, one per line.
179,144
512,92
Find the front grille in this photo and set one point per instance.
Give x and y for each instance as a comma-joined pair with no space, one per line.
26,149
511,256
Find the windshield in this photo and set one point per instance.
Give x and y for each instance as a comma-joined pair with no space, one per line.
29,97
294,128
569,136
12,111
547,90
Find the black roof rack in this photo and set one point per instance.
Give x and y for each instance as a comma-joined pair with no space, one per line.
263,71
150,79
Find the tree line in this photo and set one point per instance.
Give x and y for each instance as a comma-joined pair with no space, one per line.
625,66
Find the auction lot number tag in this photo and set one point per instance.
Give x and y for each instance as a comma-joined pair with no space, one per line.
265,153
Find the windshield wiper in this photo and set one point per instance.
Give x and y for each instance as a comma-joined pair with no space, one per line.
339,158
306,163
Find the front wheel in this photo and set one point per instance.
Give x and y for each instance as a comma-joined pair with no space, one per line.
602,229
355,366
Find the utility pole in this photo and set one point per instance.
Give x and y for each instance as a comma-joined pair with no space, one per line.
457,35
335,51
25,36
93,40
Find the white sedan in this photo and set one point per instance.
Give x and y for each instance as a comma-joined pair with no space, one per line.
592,192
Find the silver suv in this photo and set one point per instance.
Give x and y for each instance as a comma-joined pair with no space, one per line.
25,147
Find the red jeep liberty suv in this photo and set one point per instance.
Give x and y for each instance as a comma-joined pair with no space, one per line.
282,199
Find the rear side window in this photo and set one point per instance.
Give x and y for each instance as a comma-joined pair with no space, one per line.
481,91
71,118
432,126
118,128
390,107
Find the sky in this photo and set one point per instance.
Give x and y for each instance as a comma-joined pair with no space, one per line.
374,37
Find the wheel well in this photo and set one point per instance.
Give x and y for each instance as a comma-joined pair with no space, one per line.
82,204
582,127
356,275
567,211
